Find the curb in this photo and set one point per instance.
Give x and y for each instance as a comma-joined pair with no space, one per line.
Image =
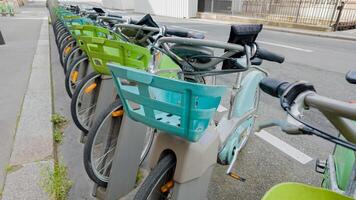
316,34
32,152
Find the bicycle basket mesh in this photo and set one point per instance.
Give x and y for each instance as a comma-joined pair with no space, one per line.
102,51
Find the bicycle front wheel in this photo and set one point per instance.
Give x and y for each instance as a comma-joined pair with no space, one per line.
161,175
84,101
76,73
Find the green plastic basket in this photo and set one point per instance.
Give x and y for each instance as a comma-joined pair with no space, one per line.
94,31
298,191
173,106
102,51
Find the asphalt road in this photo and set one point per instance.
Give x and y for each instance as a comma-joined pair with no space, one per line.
320,61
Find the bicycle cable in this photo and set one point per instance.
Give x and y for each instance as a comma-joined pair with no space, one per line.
323,134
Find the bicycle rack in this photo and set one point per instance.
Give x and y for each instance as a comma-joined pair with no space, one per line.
126,161
128,149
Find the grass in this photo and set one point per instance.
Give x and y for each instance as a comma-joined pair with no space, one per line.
139,176
56,182
12,168
59,122
57,136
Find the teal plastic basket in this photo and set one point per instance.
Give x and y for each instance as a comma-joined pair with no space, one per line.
173,106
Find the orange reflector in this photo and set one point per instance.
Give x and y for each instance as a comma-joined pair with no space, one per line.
67,50
167,186
117,113
90,88
74,76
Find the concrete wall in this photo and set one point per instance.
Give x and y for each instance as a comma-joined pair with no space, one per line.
171,8
119,4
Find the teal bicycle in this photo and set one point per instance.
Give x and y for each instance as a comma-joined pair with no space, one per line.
188,139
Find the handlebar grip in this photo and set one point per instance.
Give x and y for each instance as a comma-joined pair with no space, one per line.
115,16
273,87
270,56
186,34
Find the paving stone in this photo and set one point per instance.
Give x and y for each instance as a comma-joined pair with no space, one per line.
24,183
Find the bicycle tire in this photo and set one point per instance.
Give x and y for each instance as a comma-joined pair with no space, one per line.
67,81
87,158
61,38
70,58
62,48
164,167
75,97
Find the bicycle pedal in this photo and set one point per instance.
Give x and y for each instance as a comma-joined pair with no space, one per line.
236,177
320,166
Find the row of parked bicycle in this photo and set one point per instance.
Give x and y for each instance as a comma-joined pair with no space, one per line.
133,78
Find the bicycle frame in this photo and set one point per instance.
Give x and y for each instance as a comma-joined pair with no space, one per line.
240,118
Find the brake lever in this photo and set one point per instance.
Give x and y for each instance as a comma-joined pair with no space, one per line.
284,125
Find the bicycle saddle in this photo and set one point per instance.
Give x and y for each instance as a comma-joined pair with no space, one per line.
351,77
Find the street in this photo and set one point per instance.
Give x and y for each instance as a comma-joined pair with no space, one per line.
270,156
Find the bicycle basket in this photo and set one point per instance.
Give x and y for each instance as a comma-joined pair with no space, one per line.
93,31
173,106
101,51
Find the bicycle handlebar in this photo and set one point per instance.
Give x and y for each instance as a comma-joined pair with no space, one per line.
339,113
273,87
182,33
268,55
169,31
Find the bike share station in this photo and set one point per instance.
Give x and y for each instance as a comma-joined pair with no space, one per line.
194,184
184,124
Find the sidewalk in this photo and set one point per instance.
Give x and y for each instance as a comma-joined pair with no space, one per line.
26,103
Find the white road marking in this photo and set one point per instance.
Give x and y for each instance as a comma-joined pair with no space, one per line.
285,46
284,147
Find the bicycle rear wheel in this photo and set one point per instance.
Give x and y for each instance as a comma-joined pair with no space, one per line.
99,148
160,175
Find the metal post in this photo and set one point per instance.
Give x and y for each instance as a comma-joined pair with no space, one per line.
2,41
340,8
127,158
333,15
298,13
212,6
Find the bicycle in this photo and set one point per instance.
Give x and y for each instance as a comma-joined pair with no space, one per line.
113,114
83,100
340,169
179,108
77,62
